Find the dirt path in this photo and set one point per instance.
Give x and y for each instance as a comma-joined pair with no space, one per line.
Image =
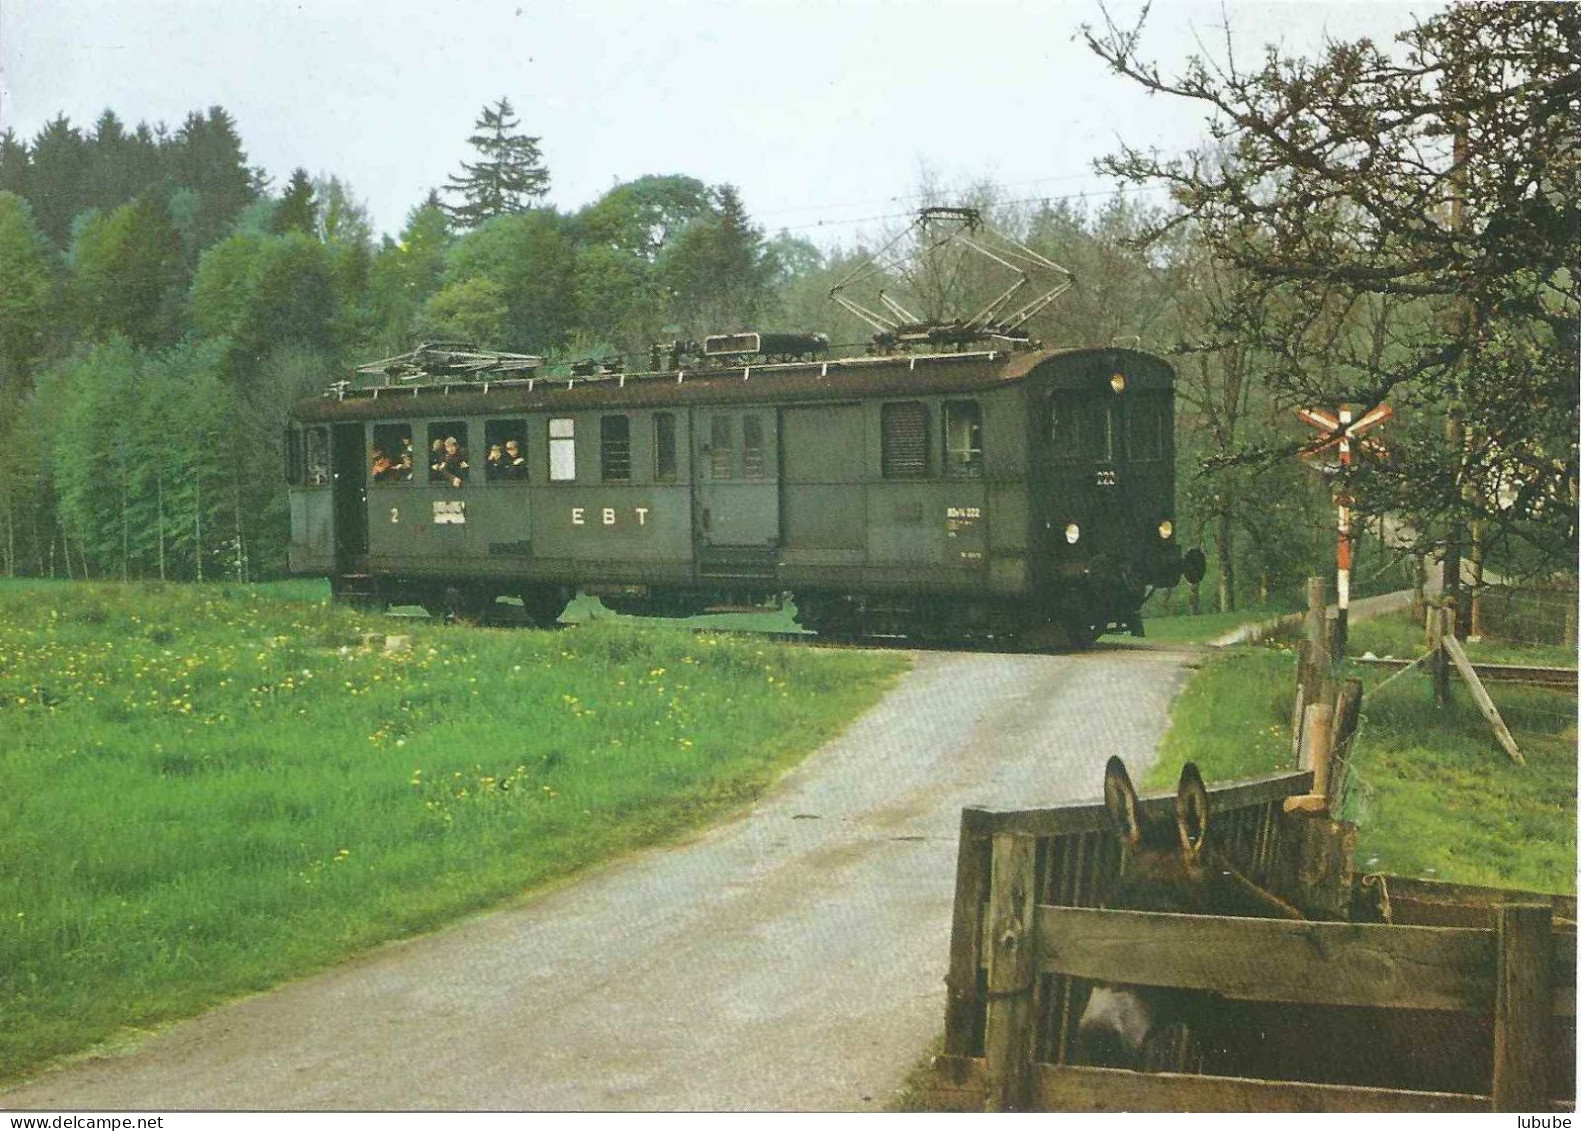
791,959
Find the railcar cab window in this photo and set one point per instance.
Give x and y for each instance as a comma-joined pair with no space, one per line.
664,463
506,460
449,463
1147,422
614,448
963,439
903,440
392,457
721,447
1065,427
562,449
317,460
754,464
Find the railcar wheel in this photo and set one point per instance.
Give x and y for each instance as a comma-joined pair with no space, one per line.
544,604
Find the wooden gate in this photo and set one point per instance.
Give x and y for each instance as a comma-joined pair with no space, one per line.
1028,942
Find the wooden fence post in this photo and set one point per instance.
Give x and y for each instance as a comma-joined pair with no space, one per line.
1315,627
1522,1008
1347,717
1011,921
1440,621
963,1007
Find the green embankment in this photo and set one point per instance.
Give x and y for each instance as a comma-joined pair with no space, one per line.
209,790
1432,792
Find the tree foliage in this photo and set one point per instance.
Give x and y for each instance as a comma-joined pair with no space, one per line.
1411,219
508,176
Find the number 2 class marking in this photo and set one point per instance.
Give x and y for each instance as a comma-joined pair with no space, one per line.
395,514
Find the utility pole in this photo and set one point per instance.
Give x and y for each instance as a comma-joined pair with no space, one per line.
1454,427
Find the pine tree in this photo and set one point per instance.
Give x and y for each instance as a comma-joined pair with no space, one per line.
297,211
509,176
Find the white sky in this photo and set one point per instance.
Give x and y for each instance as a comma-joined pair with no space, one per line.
823,112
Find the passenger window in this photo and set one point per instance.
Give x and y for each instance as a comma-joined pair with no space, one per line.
614,447
1148,416
505,459
963,439
903,447
664,465
1065,427
392,456
753,462
449,464
720,448
562,449
317,457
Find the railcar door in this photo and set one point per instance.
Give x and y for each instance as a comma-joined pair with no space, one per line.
736,493
349,468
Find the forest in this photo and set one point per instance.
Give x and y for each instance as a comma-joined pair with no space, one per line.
1361,227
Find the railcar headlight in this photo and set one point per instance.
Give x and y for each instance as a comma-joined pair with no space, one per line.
1072,532
1117,382
1165,529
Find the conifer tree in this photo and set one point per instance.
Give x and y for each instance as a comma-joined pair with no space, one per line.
297,210
508,177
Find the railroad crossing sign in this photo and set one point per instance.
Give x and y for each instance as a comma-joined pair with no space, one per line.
1343,429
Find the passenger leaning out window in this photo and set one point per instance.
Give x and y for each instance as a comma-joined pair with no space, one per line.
452,465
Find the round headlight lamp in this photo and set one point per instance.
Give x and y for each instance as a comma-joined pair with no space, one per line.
1072,532
1117,382
1166,528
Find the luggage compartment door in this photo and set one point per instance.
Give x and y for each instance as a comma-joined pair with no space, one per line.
736,493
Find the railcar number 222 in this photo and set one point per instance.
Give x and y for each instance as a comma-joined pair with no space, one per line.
936,495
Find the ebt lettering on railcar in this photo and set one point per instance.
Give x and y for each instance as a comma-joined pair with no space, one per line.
942,481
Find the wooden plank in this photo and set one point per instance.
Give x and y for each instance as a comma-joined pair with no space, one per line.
1274,960
1441,891
1483,700
1521,1015
963,1007
1068,1088
1011,947
1093,817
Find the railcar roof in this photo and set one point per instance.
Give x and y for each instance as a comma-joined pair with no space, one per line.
800,381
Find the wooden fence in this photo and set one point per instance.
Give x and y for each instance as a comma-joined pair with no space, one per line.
1028,941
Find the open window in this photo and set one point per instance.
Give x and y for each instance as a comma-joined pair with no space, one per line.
963,439
392,457
449,462
505,460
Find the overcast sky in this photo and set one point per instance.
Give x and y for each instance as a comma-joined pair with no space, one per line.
823,113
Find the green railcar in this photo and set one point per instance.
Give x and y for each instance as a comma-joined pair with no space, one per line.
954,494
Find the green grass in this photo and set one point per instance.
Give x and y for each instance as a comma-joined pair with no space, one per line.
1399,636
1432,793
208,790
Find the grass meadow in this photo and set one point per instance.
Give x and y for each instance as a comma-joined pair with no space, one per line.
1431,791
208,790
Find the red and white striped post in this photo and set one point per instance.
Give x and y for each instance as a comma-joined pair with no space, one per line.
1344,431
1343,548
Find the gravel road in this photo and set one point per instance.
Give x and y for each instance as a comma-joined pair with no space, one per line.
790,959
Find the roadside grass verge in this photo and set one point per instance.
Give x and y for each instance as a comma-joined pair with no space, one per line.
1432,793
1399,636
211,790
